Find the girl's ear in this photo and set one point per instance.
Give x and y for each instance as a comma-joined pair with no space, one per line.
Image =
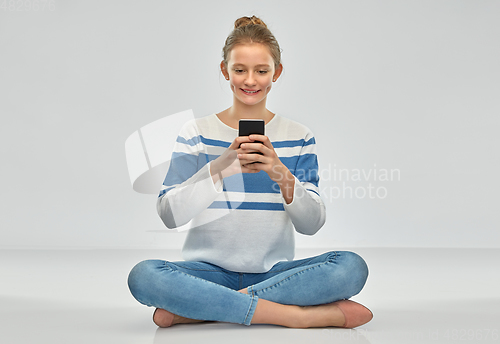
277,73
224,70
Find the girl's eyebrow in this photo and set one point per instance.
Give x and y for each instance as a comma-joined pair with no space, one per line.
242,65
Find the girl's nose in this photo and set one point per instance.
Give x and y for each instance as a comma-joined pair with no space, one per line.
250,80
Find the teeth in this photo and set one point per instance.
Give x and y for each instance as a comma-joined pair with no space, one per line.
250,91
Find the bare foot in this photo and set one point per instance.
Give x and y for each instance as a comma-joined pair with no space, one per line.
323,316
342,313
315,316
164,318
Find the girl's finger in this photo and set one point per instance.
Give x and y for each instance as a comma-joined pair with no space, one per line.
252,167
245,169
247,149
238,141
262,138
244,159
251,157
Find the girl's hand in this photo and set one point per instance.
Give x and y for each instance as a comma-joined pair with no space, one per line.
228,163
240,157
268,161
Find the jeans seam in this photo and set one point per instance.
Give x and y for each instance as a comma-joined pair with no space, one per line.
276,271
309,267
249,308
189,268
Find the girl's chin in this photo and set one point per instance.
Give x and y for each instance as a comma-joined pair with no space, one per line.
250,102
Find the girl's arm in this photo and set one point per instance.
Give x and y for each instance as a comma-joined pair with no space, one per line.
187,189
182,203
306,210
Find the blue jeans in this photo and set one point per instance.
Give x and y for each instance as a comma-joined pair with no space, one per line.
204,291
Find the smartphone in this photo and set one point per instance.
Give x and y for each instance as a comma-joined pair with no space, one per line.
247,127
251,126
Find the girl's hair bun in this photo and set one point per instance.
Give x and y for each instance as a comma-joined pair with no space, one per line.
248,30
244,21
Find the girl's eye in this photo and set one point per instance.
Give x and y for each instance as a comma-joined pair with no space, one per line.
238,70
262,71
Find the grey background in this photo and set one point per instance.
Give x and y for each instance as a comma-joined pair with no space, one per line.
406,85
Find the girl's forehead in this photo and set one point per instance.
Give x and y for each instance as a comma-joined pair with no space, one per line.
255,54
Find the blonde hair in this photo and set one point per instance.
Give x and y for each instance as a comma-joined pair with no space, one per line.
249,30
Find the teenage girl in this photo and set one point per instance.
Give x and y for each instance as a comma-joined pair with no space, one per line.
243,208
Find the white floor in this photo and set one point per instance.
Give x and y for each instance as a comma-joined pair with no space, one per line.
81,296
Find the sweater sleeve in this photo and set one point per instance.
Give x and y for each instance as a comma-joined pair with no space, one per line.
188,188
307,210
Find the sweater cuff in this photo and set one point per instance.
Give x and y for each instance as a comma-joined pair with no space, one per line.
296,193
306,211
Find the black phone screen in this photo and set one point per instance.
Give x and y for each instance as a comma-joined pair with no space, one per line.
251,126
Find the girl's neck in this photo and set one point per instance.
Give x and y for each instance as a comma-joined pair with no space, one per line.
238,111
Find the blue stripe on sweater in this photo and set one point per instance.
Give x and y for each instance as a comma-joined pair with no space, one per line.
304,167
190,142
249,206
183,166
313,191
162,192
200,138
251,183
218,143
293,143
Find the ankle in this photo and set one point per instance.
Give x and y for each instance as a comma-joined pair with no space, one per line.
301,320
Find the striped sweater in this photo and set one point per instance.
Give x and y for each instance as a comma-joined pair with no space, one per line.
242,224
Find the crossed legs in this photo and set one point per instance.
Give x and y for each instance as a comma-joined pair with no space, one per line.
312,290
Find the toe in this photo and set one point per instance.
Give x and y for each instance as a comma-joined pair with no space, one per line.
163,318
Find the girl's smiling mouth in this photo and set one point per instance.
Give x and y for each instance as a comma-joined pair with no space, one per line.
249,91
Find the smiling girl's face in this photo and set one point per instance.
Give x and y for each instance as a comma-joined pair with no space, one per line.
250,69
